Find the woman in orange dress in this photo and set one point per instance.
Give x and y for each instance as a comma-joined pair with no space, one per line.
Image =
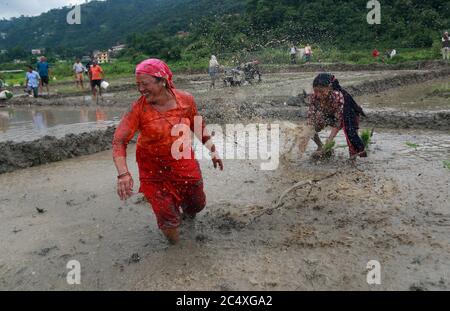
172,183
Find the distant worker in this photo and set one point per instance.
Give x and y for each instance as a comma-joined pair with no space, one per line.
213,70
88,66
79,71
445,46
43,69
96,76
293,52
375,54
393,53
308,53
390,54
32,82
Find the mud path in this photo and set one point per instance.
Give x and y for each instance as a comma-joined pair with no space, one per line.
392,207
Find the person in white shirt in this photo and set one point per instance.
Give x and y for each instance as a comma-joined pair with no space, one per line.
79,70
213,70
293,53
445,46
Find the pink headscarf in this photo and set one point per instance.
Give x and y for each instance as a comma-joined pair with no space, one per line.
156,68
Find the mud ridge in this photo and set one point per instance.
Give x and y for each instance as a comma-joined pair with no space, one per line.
419,65
49,149
381,85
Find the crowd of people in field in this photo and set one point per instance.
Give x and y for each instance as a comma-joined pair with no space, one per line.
38,77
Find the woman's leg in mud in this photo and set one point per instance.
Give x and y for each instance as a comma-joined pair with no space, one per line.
318,142
94,92
194,202
172,235
351,126
305,135
165,208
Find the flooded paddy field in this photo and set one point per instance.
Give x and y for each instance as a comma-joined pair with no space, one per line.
391,207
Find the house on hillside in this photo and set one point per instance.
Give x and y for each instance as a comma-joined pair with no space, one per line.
37,51
101,57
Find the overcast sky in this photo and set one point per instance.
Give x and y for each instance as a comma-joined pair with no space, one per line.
15,8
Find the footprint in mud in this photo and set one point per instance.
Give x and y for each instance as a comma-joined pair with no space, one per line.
201,238
228,216
45,251
322,156
135,258
72,203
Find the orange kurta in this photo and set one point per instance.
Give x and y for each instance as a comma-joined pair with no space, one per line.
168,184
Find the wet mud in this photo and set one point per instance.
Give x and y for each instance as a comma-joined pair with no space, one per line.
391,207
310,224
51,149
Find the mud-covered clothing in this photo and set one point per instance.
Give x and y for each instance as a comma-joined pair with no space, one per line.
167,183
341,112
320,116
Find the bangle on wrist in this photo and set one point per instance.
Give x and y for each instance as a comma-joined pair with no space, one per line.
123,175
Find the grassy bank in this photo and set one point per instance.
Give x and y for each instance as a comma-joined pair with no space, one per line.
123,67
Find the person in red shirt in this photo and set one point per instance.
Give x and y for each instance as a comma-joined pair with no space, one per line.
96,76
375,54
173,185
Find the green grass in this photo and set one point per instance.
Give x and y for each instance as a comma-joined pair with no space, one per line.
446,164
411,145
196,61
366,137
329,146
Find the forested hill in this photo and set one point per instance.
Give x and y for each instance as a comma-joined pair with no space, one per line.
150,26
105,23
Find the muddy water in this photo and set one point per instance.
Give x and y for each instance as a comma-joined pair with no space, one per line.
79,114
392,207
26,124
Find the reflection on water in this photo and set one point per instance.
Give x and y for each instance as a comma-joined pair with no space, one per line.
21,124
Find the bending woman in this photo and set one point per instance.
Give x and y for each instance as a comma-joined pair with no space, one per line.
167,183
331,105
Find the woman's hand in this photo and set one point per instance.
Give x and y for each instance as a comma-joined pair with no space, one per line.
125,187
333,134
217,161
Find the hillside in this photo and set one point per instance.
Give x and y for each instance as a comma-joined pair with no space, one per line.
150,27
105,23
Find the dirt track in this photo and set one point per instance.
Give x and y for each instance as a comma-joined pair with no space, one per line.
392,207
